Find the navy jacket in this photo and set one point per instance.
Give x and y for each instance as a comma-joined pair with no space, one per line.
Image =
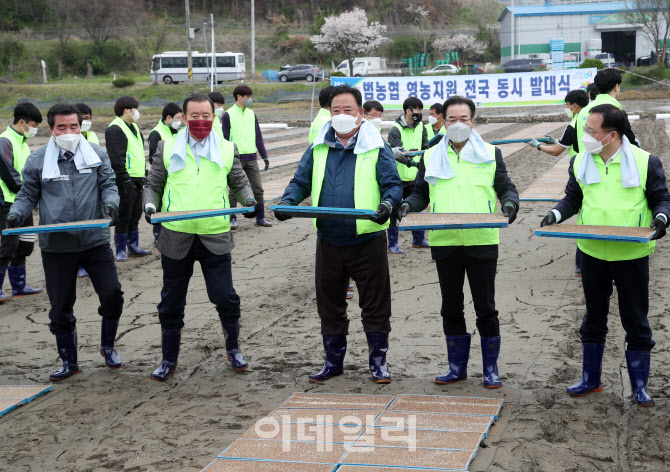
338,188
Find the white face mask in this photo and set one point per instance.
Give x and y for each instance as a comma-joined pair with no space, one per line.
218,112
592,145
376,122
343,123
432,120
136,116
68,142
30,133
568,112
86,125
175,124
458,132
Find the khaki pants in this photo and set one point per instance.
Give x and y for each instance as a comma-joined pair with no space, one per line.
254,175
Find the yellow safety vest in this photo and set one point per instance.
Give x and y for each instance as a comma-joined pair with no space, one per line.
197,187
366,188
20,153
135,160
469,191
608,203
243,129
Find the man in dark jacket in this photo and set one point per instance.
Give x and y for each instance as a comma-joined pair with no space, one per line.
72,180
463,174
350,166
614,183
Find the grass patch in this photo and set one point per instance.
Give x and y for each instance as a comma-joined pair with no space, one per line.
10,94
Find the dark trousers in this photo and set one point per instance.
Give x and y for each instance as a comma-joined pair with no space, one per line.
130,208
632,284
407,189
218,280
254,175
481,273
60,272
13,251
367,264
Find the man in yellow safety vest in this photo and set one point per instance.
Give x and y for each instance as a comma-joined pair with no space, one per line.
14,152
612,182
193,171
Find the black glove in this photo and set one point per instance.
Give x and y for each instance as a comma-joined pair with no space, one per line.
250,203
127,186
282,216
13,221
383,213
510,210
550,219
659,225
405,207
267,163
110,211
148,211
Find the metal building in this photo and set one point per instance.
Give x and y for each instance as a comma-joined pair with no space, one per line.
584,27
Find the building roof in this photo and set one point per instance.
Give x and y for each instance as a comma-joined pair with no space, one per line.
567,9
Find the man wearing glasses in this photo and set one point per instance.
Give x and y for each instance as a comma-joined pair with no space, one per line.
614,183
463,174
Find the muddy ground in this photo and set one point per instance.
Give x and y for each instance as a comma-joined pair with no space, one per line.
120,420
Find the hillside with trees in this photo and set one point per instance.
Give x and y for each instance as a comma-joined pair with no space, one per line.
95,37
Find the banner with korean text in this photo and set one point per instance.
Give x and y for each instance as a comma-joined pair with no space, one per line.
486,90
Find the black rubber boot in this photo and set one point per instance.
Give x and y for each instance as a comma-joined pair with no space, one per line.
231,334
107,335
336,348
67,350
170,343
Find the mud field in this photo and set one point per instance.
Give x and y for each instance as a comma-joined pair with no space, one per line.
121,420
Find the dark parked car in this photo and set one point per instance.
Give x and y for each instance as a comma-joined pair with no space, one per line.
306,72
524,65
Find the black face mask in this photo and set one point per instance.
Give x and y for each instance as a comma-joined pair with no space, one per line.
417,117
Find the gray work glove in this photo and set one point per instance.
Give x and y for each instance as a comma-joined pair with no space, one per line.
510,210
383,213
534,143
267,163
550,219
551,140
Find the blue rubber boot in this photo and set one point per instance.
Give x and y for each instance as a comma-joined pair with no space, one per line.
458,352
591,370
81,272
134,249
419,239
231,334
490,352
121,241
67,350
336,348
17,278
107,336
378,345
3,297
233,222
260,216
393,241
170,343
638,371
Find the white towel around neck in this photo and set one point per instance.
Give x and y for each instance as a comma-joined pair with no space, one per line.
439,167
212,150
84,157
588,173
368,137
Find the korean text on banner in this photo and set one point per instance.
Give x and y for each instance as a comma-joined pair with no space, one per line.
486,90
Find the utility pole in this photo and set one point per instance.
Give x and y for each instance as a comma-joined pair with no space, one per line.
512,35
204,35
189,36
214,81
253,40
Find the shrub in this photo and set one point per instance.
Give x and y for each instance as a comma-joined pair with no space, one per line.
337,74
123,82
588,63
655,72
